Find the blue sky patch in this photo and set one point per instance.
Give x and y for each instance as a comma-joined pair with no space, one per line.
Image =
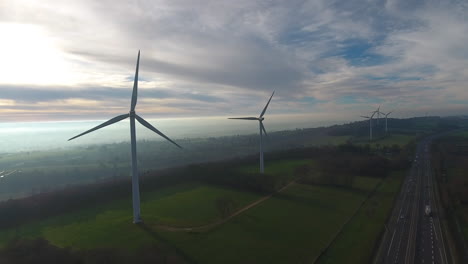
359,53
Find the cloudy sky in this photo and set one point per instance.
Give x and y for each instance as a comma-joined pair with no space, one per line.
75,60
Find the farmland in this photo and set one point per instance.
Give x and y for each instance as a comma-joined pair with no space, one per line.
308,206
295,224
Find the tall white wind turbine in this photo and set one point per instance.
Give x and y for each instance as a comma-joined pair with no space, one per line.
262,129
370,123
133,116
386,115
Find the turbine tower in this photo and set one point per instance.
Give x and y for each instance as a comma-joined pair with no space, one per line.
133,116
386,115
262,129
370,123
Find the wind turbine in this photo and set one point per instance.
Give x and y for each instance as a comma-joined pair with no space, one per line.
370,124
386,115
378,114
262,129
133,116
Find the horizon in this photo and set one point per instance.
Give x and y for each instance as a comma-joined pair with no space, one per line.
53,135
32,136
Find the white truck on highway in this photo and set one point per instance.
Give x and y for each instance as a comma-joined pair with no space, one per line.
428,211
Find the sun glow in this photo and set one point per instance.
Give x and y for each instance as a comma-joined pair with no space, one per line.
29,56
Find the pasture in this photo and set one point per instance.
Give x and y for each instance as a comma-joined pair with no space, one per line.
294,225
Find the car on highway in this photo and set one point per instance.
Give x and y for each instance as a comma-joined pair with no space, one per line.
427,210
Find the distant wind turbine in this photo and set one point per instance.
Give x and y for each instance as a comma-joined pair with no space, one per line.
386,115
378,114
133,116
370,123
262,129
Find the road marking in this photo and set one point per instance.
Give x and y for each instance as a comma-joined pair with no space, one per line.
435,232
391,242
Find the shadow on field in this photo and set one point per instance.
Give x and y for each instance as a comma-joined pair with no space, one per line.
143,226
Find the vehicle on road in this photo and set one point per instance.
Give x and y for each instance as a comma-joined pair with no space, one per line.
427,210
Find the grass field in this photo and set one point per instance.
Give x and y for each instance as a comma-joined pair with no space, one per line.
398,139
392,139
455,172
453,182
282,170
365,226
463,134
277,167
111,225
291,227
321,140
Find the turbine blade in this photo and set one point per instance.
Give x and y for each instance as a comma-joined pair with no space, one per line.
109,122
150,127
263,128
244,118
365,116
135,85
266,106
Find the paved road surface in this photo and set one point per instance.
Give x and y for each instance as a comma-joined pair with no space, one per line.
412,236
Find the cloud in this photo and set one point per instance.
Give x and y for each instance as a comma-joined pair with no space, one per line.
205,57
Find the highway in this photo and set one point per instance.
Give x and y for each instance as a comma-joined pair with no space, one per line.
412,236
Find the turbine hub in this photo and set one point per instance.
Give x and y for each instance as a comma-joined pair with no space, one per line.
261,118
132,113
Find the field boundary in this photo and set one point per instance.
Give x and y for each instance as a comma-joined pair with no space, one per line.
340,231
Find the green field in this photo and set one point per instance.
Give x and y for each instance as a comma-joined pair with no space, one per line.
398,139
282,171
366,225
390,140
463,134
293,226
283,167
111,225
283,228
321,140
456,172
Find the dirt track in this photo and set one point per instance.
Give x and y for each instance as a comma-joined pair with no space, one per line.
209,226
